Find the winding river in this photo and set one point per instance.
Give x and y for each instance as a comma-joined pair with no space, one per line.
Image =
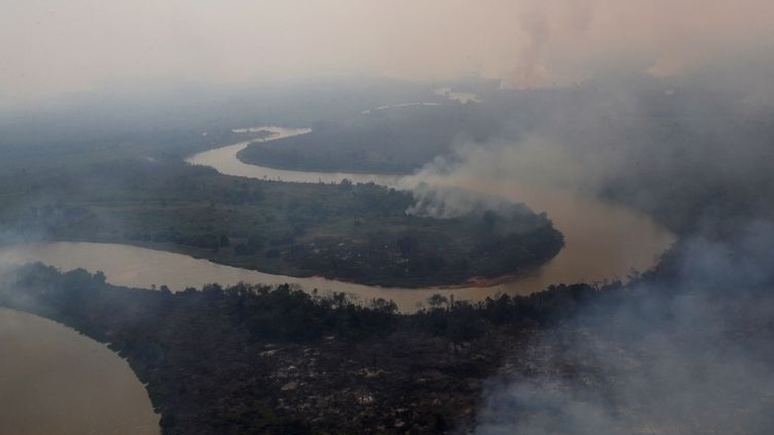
85,388
602,241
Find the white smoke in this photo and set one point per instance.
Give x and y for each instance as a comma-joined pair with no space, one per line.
694,358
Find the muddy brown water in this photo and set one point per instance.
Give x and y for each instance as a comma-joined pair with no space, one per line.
602,243
54,381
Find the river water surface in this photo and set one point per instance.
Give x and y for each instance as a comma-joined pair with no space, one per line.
602,241
54,381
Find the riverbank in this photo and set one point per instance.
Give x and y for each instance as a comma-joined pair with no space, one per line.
258,359
603,241
360,233
133,266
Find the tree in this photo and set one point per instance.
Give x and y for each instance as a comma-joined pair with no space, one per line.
437,300
99,277
383,306
345,184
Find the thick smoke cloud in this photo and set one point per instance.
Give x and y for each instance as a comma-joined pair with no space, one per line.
682,150
689,358
525,43
535,160
567,41
450,202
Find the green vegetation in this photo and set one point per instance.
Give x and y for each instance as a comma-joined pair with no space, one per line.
358,233
115,174
696,159
389,141
258,360
261,360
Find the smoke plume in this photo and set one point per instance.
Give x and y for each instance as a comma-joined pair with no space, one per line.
524,43
692,356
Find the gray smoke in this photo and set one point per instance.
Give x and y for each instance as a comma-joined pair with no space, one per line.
686,144
526,43
692,358
447,202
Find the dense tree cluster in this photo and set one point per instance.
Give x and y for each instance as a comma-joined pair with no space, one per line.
210,356
353,232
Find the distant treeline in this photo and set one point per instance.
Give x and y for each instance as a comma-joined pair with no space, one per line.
695,158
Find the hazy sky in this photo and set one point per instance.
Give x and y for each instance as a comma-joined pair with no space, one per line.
53,46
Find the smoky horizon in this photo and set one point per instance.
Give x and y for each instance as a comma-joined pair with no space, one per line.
50,50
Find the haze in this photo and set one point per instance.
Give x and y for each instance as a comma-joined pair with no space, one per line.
415,217
48,48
